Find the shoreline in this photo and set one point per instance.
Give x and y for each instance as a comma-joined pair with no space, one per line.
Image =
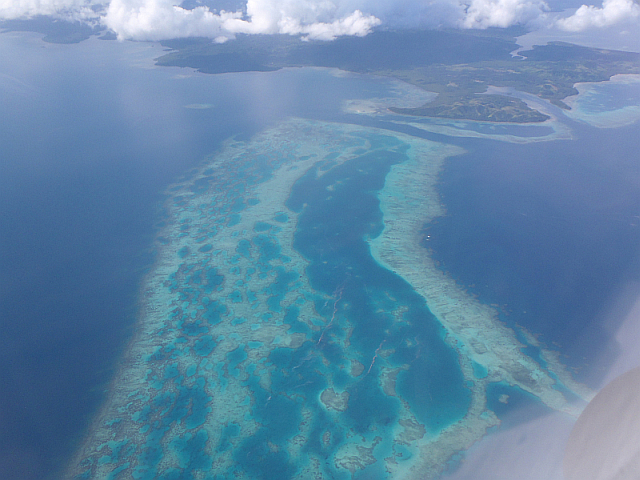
618,117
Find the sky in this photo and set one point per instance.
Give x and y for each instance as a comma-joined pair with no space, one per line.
328,19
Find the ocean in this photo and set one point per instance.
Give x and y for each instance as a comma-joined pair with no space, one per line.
109,163
548,231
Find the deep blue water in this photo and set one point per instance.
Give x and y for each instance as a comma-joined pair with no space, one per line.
341,261
550,229
80,178
519,407
89,142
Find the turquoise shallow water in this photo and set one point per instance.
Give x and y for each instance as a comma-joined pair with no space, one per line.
251,370
91,135
273,345
611,96
521,130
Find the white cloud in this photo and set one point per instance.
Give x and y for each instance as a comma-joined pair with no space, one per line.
612,12
67,9
313,19
450,13
161,19
502,13
356,24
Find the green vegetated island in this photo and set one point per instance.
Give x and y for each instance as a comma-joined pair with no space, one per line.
458,65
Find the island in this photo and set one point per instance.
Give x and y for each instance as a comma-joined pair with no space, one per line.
459,66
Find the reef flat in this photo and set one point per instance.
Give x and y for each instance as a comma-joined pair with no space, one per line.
522,134
293,327
489,351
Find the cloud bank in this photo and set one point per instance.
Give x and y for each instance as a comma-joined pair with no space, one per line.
76,10
312,19
502,13
612,12
161,19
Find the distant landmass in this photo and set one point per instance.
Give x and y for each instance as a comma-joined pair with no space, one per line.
458,65
54,30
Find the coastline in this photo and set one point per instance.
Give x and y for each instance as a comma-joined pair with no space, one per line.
615,118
